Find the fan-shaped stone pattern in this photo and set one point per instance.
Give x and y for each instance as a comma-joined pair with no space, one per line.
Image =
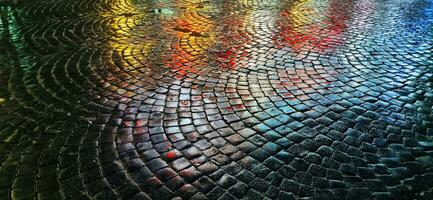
129,99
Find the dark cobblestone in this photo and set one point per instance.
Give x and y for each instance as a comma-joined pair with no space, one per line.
242,99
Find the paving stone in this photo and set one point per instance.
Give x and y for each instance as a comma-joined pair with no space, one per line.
286,195
226,181
259,184
239,189
290,186
215,193
204,184
216,100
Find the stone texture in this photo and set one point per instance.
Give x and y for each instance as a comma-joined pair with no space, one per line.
257,99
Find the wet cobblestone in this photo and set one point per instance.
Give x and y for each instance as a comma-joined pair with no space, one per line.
270,99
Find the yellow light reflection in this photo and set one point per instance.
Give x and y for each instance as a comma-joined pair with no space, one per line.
193,34
127,46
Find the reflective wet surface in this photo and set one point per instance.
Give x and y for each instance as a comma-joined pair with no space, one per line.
190,99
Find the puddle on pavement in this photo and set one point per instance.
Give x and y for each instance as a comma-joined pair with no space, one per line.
164,11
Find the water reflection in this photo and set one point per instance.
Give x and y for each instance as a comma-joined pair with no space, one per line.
184,89
190,39
314,25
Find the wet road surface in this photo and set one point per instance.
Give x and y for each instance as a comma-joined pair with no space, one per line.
270,99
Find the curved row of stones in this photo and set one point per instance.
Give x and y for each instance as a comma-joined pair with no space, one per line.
122,99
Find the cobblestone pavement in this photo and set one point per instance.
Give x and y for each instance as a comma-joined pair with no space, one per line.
218,99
